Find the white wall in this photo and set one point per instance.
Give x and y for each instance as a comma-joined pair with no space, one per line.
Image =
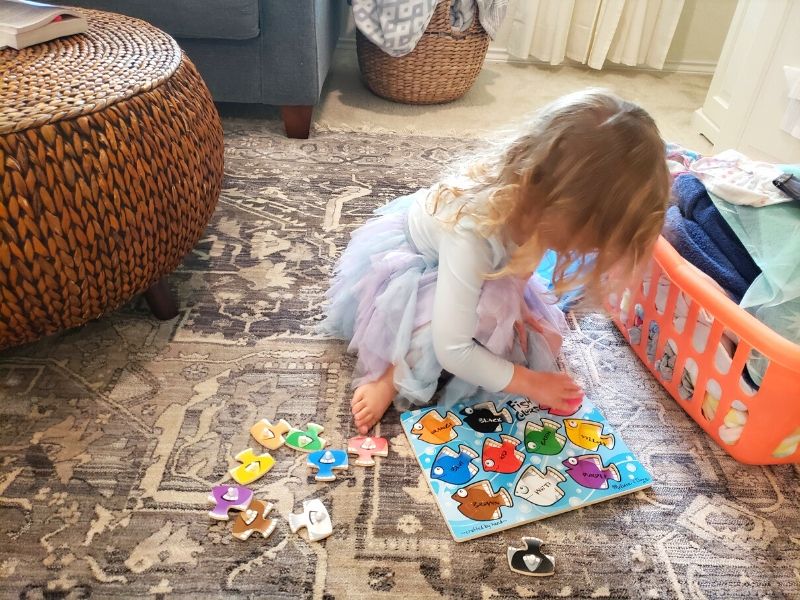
696,46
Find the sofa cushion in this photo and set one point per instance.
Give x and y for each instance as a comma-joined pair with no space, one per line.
195,19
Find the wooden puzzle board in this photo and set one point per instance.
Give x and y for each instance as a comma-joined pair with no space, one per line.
485,482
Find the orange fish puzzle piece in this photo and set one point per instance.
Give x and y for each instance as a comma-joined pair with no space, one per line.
270,435
253,466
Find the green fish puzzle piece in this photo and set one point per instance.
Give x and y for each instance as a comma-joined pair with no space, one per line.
544,439
308,440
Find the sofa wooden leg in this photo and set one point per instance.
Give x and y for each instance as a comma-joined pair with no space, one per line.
161,301
297,120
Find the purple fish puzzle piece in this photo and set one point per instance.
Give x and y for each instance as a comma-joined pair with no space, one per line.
326,462
227,497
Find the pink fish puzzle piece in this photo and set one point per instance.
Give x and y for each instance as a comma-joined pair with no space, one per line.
228,497
366,447
270,435
253,466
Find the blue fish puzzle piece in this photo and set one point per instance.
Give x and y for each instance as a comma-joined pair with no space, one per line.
326,462
453,467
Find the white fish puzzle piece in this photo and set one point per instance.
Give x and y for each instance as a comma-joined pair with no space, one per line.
314,518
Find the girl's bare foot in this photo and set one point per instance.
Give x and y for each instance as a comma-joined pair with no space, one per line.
371,400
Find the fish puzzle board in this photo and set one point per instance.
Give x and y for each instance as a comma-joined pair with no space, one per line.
493,464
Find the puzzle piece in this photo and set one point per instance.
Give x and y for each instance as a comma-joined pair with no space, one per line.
227,497
367,447
326,462
314,518
253,466
254,518
270,435
308,440
530,560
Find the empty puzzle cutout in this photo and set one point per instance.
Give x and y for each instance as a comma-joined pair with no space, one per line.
543,438
455,468
308,440
541,489
228,497
270,435
479,502
502,456
314,518
485,418
253,466
254,519
590,472
327,462
367,447
434,428
588,434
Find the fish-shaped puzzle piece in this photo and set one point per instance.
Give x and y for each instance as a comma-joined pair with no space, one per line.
254,518
530,560
434,428
485,418
563,412
588,434
454,467
589,471
270,435
502,456
314,518
541,489
327,462
228,497
308,440
543,439
366,447
253,466
479,502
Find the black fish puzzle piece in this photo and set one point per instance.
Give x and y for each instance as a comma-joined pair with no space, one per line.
531,560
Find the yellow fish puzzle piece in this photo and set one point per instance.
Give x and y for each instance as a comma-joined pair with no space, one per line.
270,435
253,466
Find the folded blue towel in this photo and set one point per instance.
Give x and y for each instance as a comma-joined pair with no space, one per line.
696,205
694,244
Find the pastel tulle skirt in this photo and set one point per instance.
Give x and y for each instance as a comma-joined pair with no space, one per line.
381,301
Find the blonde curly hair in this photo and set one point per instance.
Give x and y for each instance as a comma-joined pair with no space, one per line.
585,177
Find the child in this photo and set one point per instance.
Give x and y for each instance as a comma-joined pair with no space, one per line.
441,279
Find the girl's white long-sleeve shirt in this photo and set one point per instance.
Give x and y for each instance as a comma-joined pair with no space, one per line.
464,257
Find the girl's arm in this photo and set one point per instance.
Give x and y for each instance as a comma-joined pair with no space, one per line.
463,260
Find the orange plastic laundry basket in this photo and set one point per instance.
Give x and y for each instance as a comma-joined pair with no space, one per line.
771,433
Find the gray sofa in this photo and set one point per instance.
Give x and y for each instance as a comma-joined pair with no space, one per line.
250,51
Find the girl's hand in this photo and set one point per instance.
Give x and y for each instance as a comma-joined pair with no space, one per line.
550,390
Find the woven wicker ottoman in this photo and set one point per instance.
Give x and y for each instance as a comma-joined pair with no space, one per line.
110,166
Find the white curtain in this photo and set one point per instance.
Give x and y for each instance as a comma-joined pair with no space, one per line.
628,32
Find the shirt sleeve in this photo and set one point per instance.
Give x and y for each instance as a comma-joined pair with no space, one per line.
464,259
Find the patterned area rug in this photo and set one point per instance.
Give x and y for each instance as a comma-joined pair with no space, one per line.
112,435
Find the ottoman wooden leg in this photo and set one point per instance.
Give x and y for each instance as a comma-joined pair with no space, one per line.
161,301
297,120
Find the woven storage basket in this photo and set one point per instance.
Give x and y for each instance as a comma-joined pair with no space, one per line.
111,158
442,67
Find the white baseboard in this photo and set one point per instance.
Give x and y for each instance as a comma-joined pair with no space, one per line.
502,55
705,126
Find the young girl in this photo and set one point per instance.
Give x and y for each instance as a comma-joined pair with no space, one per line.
441,279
